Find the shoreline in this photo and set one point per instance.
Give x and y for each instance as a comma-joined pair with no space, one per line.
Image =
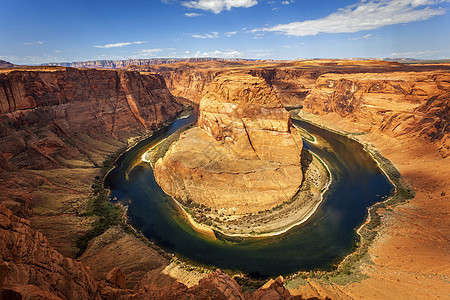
357,255
348,258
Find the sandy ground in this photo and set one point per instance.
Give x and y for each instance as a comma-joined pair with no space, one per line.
411,255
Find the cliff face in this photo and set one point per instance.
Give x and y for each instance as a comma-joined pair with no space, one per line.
291,86
244,156
291,81
57,126
41,111
189,84
400,104
244,113
30,267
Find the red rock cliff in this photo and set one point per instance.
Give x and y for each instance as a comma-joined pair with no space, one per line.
30,267
41,110
397,104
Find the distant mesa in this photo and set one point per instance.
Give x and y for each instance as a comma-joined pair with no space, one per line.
119,64
6,64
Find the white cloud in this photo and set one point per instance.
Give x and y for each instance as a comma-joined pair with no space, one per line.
34,43
364,15
365,37
32,59
217,6
116,45
191,15
230,33
148,53
211,35
219,54
231,53
287,2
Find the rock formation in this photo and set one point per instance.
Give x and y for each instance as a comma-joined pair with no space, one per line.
244,156
291,81
29,266
398,104
40,110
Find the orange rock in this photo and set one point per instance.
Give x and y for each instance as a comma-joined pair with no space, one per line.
244,156
44,111
399,104
117,278
29,267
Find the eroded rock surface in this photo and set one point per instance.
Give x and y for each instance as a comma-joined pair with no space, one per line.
399,104
244,156
45,112
29,266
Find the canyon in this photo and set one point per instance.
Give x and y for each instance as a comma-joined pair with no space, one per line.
58,125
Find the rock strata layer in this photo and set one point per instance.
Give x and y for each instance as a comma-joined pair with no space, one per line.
44,112
30,267
399,104
243,157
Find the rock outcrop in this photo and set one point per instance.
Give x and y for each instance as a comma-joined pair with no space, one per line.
399,104
244,156
6,64
30,267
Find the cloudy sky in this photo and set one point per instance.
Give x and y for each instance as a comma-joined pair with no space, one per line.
39,31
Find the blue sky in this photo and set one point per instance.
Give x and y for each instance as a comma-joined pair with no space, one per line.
34,31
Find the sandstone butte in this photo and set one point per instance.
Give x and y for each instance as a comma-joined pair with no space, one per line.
243,156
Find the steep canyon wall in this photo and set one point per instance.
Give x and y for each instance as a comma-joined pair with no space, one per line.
392,98
43,114
399,104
